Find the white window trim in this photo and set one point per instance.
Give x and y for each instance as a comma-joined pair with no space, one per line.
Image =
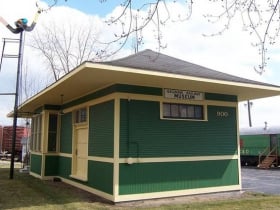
204,108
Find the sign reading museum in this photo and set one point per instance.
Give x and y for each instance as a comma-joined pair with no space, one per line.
182,94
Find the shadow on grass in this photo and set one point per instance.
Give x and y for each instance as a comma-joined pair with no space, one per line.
25,191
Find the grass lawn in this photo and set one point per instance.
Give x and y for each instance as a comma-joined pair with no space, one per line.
26,192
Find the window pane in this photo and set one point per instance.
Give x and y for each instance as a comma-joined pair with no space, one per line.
83,115
52,134
190,111
38,140
183,111
174,110
36,133
166,110
52,142
77,119
198,112
32,136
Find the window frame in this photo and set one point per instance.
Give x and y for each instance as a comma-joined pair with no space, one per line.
185,111
36,133
80,116
56,132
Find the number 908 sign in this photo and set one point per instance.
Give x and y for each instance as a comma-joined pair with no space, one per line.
222,114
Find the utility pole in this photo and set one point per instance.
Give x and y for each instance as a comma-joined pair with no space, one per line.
249,105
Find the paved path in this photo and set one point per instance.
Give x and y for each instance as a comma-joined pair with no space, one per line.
260,180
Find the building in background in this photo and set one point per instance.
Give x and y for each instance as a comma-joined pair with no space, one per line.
1,138
6,133
260,146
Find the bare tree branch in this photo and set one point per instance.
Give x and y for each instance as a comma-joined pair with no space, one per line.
64,47
154,13
261,18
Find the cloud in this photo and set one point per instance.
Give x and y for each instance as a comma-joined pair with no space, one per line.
262,110
232,52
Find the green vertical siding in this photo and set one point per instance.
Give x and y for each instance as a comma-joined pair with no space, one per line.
101,130
158,177
122,88
66,133
64,169
138,89
100,176
220,97
144,134
51,165
36,164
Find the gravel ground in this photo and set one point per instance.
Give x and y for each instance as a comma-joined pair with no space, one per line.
265,181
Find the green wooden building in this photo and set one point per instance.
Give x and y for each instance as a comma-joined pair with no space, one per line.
141,127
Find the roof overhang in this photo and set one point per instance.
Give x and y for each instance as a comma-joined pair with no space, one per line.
90,77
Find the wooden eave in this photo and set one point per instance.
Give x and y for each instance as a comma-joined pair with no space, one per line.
90,77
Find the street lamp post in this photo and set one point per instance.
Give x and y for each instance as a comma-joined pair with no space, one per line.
20,54
21,26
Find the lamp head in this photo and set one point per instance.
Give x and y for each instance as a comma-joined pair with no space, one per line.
21,23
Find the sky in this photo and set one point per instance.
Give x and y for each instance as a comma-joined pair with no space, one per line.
232,52
102,8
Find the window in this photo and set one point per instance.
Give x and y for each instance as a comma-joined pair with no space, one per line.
81,115
183,111
36,131
52,134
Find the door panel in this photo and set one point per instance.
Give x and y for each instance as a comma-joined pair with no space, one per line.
80,158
